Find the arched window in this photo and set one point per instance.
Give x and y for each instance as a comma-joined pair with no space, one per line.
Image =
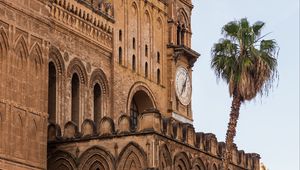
146,50
133,43
133,114
158,57
182,34
178,34
52,92
133,63
146,70
97,102
120,35
120,55
158,76
75,99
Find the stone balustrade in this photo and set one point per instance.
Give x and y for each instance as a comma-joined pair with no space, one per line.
82,19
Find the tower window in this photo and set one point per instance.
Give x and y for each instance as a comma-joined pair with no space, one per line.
133,63
52,92
133,43
120,55
178,34
120,35
75,99
158,57
146,50
158,76
146,70
97,102
182,34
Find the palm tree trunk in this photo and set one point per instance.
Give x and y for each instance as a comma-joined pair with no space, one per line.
231,130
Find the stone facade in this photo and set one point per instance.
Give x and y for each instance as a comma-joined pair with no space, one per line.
90,84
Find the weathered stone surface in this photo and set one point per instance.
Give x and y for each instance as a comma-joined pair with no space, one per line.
90,84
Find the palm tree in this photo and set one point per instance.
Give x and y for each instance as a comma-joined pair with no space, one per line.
248,63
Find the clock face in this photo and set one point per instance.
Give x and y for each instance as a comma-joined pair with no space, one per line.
183,86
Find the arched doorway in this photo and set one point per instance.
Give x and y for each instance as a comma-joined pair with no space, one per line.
140,102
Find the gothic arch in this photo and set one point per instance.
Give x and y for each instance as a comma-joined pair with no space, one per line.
198,164
21,49
181,161
61,160
36,54
56,57
148,14
97,157
183,18
165,160
213,166
76,66
132,157
135,7
3,43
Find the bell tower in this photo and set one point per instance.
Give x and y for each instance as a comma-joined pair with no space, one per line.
181,60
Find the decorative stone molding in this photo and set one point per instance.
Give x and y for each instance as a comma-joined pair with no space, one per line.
150,120
124,124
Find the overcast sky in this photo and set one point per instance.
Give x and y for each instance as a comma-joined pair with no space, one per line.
268,126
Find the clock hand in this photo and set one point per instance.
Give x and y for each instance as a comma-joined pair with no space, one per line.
184,85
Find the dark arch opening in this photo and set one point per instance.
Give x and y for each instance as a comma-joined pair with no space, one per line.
182,34
146,50
120,35
75,99
178,34
133,43
158,76
120,55
97,102
146,70
52,92
140,102
133,63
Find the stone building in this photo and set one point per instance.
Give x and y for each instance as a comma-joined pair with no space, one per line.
101,84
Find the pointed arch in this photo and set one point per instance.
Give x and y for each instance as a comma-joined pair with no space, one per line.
198,164
214,167
21,49
181,161
165,160
132,156
97,157
18,135
3,43
33,139
36,54
183,18
61,160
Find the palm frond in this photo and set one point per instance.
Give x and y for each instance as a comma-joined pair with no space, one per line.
231,29
257,27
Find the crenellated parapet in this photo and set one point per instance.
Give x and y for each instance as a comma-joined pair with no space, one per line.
94,22
151,122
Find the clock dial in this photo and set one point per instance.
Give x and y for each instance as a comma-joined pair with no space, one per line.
183,86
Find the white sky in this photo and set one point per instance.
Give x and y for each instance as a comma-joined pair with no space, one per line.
268,126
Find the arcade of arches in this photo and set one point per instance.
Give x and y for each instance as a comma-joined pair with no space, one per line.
91,84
